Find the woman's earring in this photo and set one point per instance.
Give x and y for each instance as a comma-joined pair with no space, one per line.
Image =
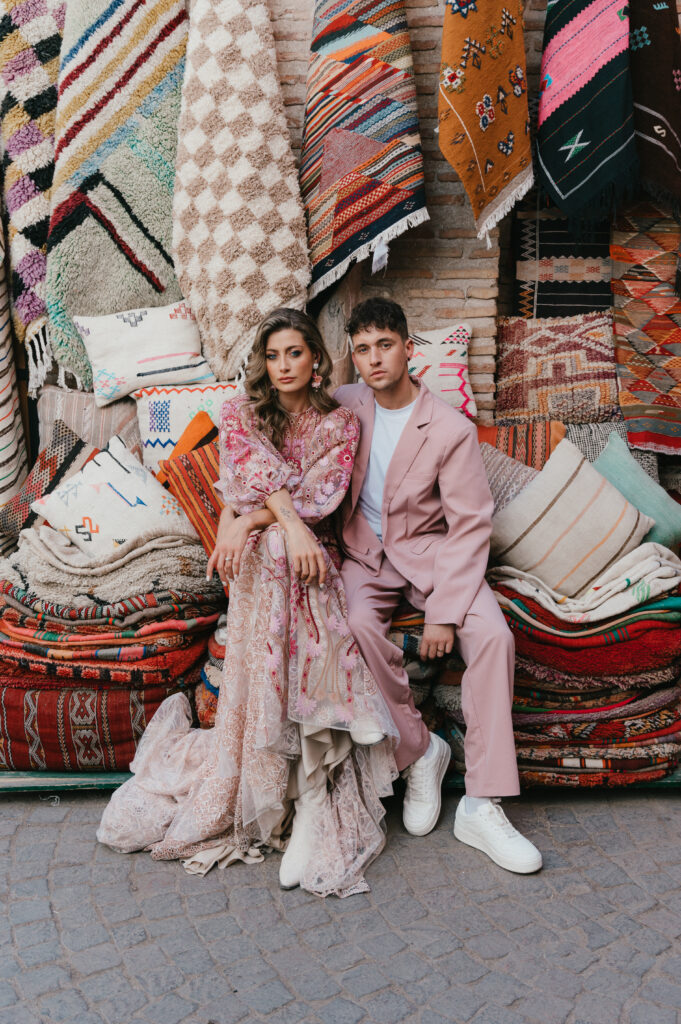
316,377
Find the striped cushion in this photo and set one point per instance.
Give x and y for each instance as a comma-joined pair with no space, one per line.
201,431
506,476
531,443
191,479
568,525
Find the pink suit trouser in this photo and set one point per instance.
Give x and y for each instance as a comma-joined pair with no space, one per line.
486,645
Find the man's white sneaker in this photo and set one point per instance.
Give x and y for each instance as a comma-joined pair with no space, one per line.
423,798
488,829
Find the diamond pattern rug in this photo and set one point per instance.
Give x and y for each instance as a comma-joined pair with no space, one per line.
238,228
644,247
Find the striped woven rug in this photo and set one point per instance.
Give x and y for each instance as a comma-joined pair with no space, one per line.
13,463
117,112
361,171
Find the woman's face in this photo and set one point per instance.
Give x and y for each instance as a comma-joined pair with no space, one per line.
289,361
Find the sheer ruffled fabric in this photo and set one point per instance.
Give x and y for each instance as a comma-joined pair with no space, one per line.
293,686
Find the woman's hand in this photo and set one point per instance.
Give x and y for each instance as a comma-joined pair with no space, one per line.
233,532
307,558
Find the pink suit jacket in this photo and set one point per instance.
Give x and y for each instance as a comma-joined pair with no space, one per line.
437,506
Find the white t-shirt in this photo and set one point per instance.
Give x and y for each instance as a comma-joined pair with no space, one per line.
388,427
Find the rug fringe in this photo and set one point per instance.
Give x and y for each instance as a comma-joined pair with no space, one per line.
38,354
500,209
412,220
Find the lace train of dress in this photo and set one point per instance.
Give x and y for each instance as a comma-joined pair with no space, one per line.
293,685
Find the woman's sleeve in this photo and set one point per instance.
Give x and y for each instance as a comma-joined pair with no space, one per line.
328,473
251,469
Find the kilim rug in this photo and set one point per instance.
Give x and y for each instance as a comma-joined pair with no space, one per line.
561,368
361,168
238,227
644,246
111,212
482,105
76,729
558,273
655,48
586,150
13,460
30,41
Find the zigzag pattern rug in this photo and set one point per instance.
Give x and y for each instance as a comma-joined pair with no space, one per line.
361,170
117,112
644,247
30,41
557,272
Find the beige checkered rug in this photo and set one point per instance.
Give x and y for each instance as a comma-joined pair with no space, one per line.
239,239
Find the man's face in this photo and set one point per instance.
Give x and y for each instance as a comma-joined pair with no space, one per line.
381,355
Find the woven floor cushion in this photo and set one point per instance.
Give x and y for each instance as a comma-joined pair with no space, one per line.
191,479
531,443
74,730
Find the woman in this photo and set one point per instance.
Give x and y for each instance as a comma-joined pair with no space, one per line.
295,692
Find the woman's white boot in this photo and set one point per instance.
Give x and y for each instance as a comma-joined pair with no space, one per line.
309,806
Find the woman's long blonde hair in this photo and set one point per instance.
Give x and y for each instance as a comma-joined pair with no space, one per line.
265,398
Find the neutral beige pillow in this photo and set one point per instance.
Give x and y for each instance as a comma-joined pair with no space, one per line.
568,525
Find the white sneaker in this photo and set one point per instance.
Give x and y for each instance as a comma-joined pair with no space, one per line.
488,829
365,735
423,798
297,852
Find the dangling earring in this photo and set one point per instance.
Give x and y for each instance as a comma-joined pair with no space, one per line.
316,377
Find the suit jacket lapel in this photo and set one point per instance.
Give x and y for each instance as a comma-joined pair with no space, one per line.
409,445
366,415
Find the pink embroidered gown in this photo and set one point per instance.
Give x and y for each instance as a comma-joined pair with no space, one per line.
293,686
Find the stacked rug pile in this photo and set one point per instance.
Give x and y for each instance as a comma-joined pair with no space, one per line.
104,607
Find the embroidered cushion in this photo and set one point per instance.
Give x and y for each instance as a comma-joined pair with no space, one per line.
506,476
164,413
64,455
440,360
618,465
191,480
142,347
567,525
200,431
113,505
531,443
562,368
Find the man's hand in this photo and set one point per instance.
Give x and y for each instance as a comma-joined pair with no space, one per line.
437,640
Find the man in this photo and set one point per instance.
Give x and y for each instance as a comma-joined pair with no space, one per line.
416,525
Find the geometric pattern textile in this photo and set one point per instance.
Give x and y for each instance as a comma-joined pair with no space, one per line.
655,49
361,168
506,476
586,149
440,361
78,411
561,368
74,729
558,273
531,443
13,457
239,239
30,41
142,347
116,135
191,479
65,454
591,439
201,431
644,247
164,413
482,105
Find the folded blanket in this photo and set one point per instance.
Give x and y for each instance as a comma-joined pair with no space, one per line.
644,679
645,573
588,779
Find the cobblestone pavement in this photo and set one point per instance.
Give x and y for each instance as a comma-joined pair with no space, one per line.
90,936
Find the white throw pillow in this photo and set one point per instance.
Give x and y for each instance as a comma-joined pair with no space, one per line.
163,414
440,360
112,505
141,347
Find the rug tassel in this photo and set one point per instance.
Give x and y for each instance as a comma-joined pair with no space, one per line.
502,209
39,357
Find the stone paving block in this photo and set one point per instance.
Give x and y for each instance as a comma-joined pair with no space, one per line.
41,980
220,1011
171,1009
63,1006
544,1008
596,1009
99,958
42,953
659,990
8,996
88,935
363,980
266,998
9,965
646,1013
388,1008
458,1003
340,1011
499,988
120,1009
27,935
